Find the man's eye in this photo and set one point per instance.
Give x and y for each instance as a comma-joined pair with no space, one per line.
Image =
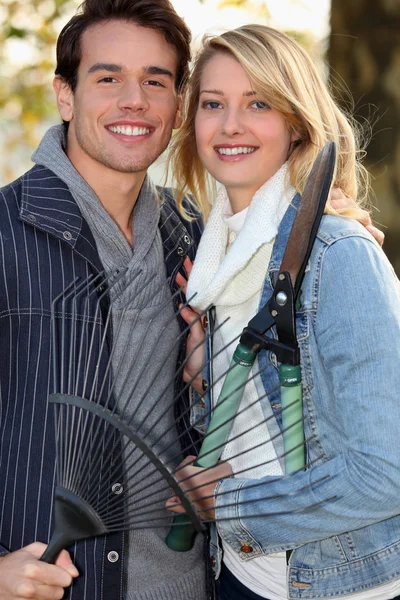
154,83
107,80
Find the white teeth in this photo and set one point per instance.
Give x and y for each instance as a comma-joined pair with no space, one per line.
128,130
238,150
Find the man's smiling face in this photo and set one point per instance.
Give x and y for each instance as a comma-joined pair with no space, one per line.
125,104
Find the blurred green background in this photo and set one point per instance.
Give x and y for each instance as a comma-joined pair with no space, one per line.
359,40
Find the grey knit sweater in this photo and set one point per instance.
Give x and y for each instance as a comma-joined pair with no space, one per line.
152,571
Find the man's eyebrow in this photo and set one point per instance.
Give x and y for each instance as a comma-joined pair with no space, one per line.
113,68
154,70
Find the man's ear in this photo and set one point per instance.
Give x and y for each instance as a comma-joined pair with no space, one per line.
179,111
65,98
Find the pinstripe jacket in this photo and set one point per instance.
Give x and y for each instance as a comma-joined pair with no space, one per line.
45,244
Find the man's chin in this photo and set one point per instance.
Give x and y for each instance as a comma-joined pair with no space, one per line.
129,164
126,166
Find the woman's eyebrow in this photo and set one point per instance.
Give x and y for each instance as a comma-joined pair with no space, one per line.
221,93
216,92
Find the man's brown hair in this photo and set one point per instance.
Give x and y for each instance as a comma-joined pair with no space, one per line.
158,15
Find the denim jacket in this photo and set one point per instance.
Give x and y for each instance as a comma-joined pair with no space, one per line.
44,245
348,329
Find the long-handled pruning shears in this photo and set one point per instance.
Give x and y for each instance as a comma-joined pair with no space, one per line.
280,311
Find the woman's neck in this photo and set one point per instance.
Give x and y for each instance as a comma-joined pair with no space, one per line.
240,198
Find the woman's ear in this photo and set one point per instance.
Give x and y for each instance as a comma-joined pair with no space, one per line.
65,98
294,142
295,137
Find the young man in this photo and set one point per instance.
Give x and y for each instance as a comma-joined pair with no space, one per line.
88,206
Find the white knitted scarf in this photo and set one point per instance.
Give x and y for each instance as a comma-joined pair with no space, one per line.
228,275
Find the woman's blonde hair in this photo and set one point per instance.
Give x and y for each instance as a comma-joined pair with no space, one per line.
283,74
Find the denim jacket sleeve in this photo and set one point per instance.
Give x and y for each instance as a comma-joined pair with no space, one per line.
355,371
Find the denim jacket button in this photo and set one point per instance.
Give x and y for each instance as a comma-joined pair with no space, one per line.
246,548
204,385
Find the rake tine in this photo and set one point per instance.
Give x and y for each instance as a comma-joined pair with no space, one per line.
210,411
122,450
252,448
127,341
186,386
108,366
122,525
150,495
98,457
171,381
238,472
254,500
117,526
161,332
72,291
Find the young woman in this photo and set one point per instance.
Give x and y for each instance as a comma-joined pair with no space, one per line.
257,116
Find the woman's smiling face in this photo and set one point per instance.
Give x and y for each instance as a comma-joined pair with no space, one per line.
241,141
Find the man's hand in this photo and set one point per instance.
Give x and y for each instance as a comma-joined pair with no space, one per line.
339,201
199,485
23,575
192,372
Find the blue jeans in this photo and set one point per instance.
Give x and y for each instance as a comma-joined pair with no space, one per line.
232,589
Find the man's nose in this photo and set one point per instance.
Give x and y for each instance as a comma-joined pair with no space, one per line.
233,122
133,97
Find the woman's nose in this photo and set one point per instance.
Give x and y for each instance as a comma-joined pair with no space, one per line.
233,122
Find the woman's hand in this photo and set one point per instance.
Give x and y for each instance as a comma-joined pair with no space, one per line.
192,372
198,484
339,201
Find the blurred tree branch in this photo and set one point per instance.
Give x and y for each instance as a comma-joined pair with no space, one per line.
27,55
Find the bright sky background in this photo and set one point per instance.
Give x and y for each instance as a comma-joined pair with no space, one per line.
310,15
304,15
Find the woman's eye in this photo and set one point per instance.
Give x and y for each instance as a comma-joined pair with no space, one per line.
211,104
259,105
